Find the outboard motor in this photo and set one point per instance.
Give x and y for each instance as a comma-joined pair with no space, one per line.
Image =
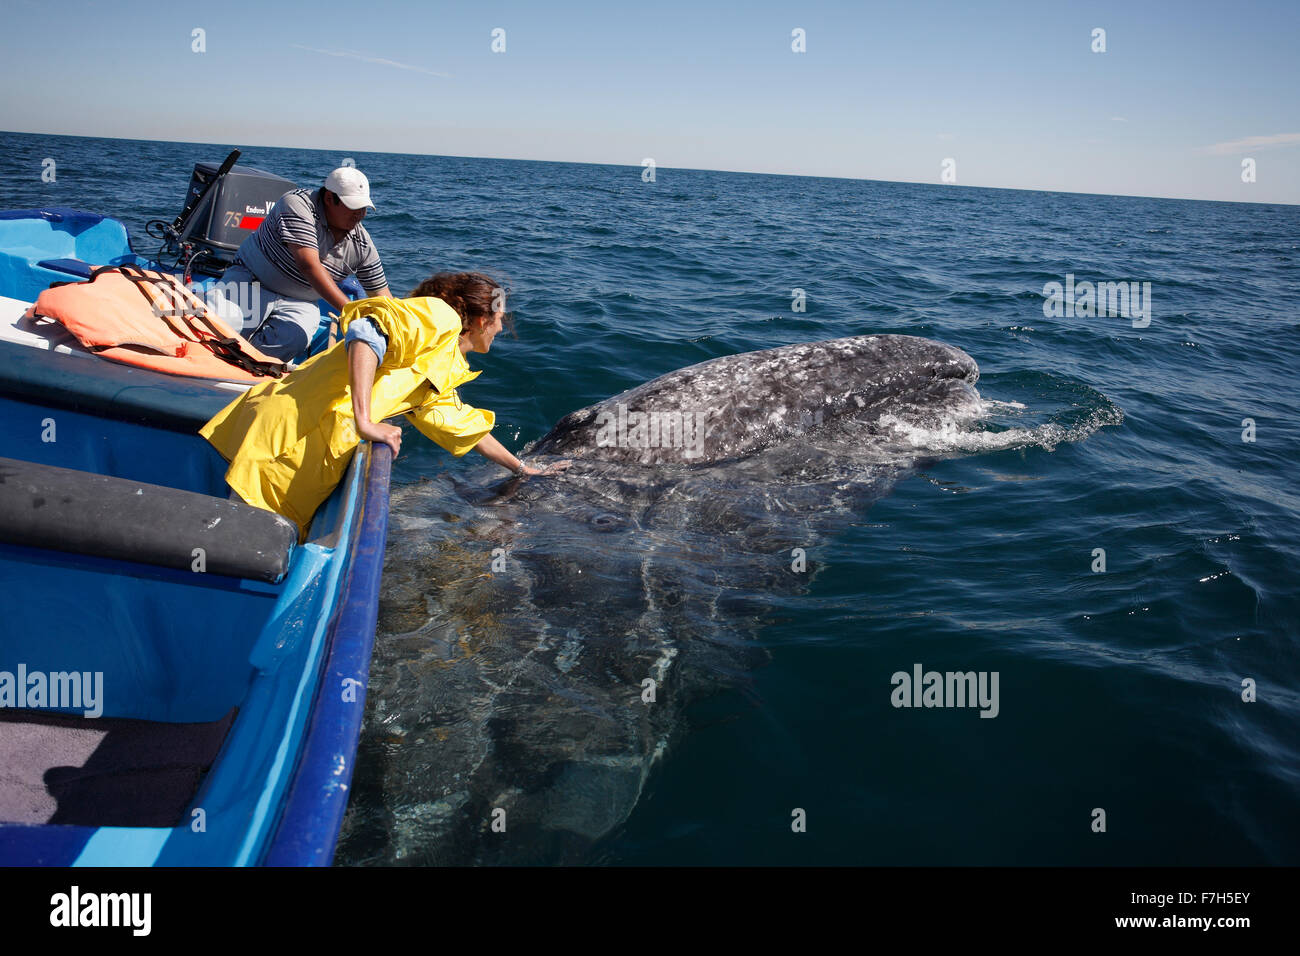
223,206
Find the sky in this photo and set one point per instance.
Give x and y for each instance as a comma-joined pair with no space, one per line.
1003,94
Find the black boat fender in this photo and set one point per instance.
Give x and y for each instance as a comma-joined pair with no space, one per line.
61,509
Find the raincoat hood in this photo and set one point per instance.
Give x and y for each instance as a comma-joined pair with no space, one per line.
426,328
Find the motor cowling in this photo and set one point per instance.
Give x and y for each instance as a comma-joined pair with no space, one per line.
232,209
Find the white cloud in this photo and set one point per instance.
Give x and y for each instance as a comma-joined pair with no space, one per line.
381,61
1252,142
1119,119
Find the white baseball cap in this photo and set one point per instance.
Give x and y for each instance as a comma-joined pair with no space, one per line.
351,186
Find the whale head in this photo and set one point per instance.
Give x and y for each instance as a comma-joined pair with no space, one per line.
734,406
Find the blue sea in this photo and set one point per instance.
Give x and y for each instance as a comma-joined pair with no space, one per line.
1116,536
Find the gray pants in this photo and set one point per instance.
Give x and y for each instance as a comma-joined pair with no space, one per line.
280,326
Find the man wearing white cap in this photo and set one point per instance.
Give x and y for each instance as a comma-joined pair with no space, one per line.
311,240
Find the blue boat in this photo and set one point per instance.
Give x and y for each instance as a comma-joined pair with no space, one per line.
181,681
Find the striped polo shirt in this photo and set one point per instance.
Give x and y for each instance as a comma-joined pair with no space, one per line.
298,219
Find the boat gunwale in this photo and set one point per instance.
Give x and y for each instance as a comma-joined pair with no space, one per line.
318,794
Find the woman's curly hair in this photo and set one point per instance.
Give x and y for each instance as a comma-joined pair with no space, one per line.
471,294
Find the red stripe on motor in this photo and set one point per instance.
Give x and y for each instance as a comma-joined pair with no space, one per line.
250,222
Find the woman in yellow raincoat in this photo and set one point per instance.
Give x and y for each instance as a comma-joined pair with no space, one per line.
289,442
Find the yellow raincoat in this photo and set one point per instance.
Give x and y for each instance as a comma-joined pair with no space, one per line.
289,442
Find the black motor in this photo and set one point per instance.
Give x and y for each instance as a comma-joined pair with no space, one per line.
222,208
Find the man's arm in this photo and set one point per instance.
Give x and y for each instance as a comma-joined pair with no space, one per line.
308,260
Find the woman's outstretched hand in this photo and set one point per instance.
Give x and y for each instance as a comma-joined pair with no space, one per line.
493,450
554,468
390,435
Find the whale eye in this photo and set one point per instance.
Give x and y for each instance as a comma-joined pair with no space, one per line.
606,522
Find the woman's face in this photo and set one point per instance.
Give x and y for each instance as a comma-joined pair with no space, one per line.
482,335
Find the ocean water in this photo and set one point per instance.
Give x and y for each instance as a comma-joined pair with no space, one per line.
1167,440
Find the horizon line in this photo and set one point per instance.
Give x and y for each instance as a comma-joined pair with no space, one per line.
742,172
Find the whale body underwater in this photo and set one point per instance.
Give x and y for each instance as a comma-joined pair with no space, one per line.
540,639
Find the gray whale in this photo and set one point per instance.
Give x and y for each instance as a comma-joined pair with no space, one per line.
733,406
521,620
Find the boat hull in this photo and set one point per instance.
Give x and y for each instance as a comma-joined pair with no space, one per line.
289,661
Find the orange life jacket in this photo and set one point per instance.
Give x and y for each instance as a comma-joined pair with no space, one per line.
152,320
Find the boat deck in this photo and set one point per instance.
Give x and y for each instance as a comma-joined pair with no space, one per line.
97,771
50,336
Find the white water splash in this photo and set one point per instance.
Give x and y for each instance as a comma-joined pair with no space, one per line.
961,434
